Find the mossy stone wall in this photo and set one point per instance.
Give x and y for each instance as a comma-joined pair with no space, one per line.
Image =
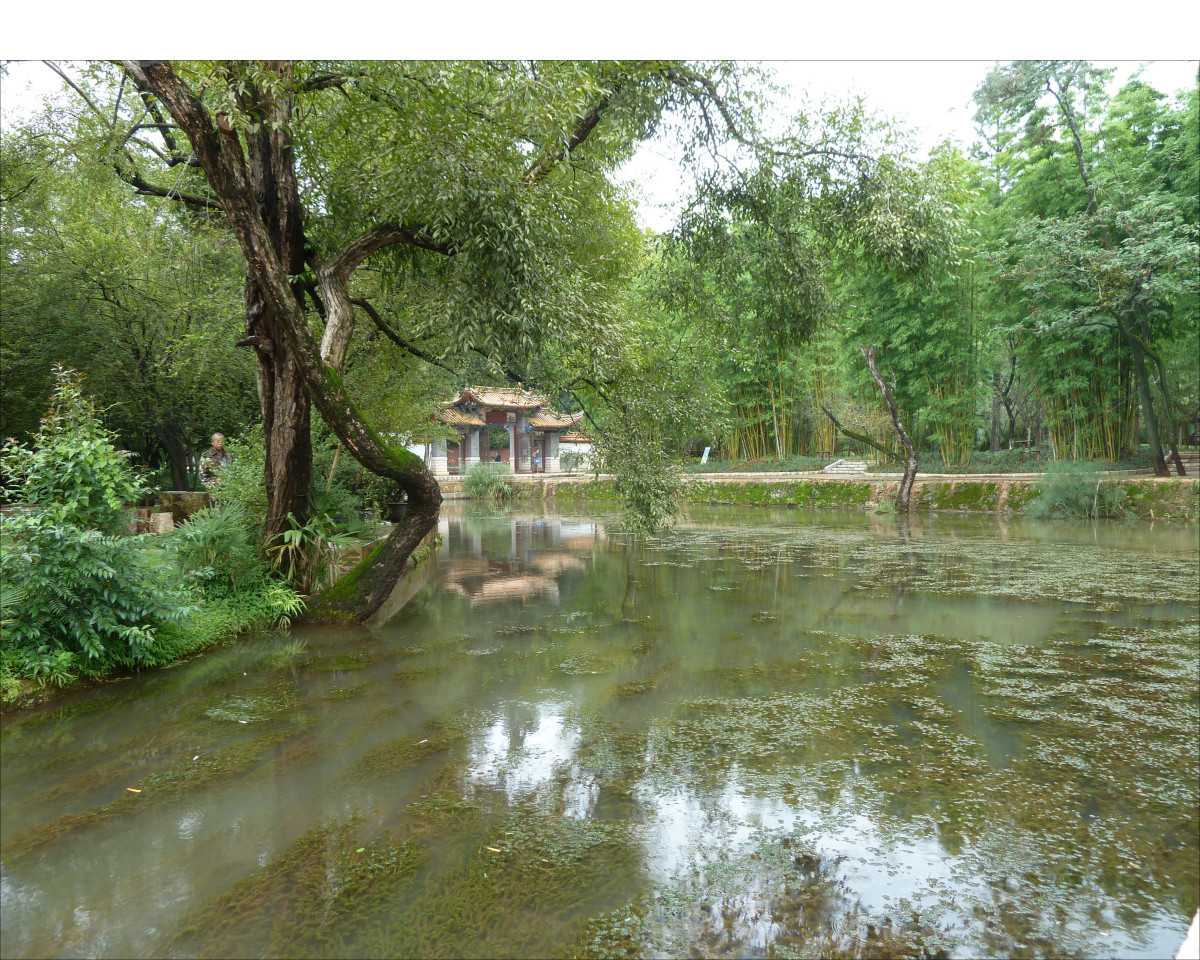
1148,498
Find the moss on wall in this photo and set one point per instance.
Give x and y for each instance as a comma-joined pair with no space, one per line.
799,493
1168,499
982,496
1162,499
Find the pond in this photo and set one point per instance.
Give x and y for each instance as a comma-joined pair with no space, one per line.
763,733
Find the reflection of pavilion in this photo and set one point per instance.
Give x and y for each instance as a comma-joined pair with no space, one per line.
521,587
533,428
520,559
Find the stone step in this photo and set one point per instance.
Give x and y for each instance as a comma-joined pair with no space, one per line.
846,466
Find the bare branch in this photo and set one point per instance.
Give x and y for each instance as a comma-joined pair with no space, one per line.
862,437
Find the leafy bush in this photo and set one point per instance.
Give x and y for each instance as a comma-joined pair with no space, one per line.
80,598
1074,490
308,552
488,481
215,550
242,485
93,595
73,471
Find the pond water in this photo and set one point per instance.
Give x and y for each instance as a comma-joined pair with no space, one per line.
764,733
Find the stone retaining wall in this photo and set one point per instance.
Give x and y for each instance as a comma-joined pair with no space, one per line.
1148,498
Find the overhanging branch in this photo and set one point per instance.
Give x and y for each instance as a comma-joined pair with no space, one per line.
398,340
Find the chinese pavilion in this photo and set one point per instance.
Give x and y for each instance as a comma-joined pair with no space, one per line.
533,428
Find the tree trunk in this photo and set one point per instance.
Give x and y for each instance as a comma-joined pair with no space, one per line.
286,418
171,441
256,187
994,445
1147,404
286,415
910,462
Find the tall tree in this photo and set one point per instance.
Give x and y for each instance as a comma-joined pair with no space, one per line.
484,177
130,291
1118,251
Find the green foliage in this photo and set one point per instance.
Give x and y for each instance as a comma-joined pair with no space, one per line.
142,298
1094,240
307,552
646,479
95,596
489,481
82,598
241,485
1076,491
214,550
73,471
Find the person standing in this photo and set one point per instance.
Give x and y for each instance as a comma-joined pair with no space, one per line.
215,459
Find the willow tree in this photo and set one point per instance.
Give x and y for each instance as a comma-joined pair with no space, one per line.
486,182
837,194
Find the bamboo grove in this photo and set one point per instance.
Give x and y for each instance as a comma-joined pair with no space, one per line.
1025,336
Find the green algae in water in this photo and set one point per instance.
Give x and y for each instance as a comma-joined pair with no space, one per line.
525,891
889,739
305,901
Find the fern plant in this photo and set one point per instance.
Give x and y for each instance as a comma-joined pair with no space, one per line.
215,550
99,596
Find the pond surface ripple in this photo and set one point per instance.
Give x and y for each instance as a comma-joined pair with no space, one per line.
763,733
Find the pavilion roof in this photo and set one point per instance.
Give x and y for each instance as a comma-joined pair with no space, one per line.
452,416
549,420
500,398
576,436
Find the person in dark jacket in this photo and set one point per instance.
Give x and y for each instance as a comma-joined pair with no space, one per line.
215,459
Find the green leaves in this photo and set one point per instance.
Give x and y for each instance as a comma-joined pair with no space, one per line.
73,472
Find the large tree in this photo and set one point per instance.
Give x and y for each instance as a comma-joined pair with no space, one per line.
132,292
488,182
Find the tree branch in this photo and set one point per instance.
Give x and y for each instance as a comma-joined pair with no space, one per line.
583,129
863,438
398,340
334,274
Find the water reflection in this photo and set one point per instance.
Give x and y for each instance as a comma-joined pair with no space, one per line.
760,732
487,561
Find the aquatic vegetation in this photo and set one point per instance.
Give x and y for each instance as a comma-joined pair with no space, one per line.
399,754
303,902
559,870
889,739
168,784
583,665
635,688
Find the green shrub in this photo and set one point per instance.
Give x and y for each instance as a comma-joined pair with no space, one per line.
1075,490
214,550
79,598
96,596
488,481
307,553
73,472
241,484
